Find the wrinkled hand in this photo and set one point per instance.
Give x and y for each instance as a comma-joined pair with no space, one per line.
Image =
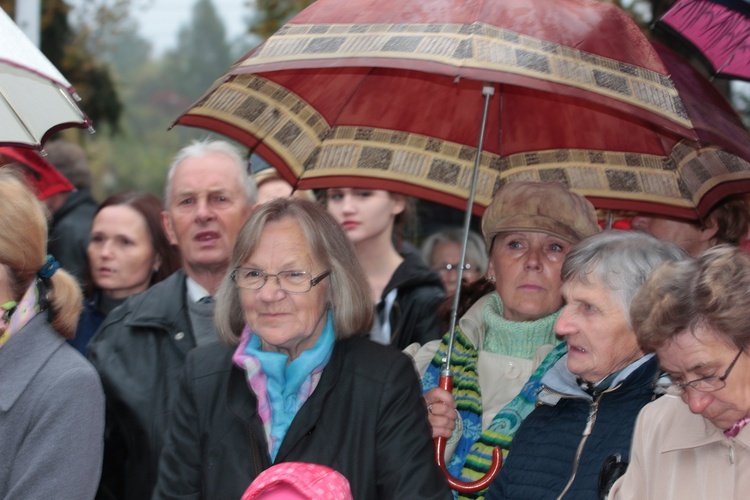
441,409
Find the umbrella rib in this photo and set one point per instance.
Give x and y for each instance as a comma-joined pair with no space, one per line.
18,116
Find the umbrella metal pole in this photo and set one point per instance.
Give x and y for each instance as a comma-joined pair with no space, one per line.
446,374
487,91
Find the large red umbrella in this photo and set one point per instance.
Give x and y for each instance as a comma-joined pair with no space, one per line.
389,95
718,29
400,95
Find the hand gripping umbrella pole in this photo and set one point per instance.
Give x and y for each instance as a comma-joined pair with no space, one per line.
446,374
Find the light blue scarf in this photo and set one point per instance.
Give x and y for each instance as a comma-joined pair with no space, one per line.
289,385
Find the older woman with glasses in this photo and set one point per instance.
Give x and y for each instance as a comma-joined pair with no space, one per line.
442,252
296,379
693,314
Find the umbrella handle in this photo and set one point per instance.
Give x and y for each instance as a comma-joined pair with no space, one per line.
446,382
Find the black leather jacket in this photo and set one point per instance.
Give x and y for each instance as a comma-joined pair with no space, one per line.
366,419
413,317
139,353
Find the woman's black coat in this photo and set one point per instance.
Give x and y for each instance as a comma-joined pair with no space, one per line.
366,419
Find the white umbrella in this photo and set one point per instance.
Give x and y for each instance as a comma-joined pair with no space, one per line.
35,98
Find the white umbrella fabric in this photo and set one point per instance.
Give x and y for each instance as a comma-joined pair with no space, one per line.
36,100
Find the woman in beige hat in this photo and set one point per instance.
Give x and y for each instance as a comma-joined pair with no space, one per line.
506,339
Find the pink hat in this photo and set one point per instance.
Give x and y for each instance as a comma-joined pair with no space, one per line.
298,481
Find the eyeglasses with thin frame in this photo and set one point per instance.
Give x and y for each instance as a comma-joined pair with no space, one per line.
447,268
704,384
289,281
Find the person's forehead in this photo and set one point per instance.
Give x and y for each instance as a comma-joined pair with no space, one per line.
574,287
118,217
202,179
207,164
285,234
694,348
539,236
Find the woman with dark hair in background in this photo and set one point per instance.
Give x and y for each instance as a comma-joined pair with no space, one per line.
128,252
406,293
51,403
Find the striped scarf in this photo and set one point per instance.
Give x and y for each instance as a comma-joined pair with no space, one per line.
473,454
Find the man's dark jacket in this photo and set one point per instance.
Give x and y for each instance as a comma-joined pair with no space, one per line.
366,419
543,454
70,231
414,317
139,353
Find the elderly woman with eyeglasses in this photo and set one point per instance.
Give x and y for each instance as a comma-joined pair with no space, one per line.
692,443
296,378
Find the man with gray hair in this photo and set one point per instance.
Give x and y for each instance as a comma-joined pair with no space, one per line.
141,347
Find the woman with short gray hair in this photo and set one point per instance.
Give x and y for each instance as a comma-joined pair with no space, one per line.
442,252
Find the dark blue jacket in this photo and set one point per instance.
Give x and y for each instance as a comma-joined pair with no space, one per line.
544,454
88,323
95,310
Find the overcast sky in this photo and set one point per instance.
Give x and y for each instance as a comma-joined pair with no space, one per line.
162,19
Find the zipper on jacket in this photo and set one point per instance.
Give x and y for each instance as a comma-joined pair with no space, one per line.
586,432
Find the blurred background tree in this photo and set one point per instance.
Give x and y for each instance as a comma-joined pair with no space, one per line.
69,51
270,15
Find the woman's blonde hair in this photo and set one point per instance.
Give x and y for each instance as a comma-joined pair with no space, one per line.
348,291
23,251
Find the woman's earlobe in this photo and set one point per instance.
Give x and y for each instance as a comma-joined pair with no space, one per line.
709,229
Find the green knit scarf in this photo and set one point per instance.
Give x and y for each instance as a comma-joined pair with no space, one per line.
473,453
519,339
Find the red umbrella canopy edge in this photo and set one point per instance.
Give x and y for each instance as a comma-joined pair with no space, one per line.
588,49
41,174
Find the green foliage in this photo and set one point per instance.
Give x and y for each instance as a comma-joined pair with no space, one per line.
89,76
156,91
272,14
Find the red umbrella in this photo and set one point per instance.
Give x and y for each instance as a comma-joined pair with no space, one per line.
393,95
340,96
40,173
718,29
